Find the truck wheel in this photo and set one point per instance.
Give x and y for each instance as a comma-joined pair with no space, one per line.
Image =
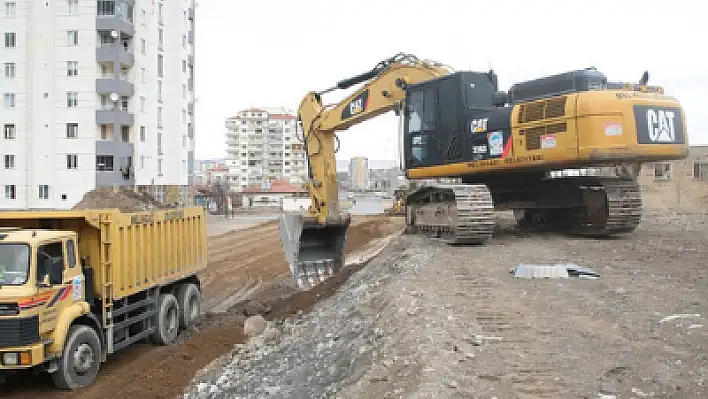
166,320
189,299
79,364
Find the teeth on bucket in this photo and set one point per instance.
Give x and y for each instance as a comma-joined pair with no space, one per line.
313,272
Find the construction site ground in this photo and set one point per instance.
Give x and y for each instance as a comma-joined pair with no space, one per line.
424,319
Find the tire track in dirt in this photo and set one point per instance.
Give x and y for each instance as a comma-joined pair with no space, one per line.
146,371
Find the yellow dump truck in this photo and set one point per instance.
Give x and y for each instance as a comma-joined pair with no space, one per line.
76,286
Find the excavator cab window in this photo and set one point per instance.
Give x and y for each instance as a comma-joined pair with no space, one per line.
447,120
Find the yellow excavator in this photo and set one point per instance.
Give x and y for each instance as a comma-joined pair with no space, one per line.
499,146
398,207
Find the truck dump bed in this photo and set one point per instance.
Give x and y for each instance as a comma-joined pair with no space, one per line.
128,252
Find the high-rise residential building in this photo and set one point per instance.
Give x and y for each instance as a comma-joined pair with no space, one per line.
262,147
359,173
95,93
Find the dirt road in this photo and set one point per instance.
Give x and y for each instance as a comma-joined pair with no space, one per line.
428,320
238,261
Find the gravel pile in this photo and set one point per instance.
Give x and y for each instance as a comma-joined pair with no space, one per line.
124,199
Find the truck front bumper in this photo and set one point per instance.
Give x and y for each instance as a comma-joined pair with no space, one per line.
23,357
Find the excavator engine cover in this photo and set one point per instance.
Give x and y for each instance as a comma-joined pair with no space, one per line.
314,251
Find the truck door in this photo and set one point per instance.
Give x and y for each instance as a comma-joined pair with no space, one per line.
73,275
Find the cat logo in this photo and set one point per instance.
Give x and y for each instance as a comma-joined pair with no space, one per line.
356,106
661,126
479,125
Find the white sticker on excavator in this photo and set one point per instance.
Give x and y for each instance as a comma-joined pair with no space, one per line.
496,143
548,141
613,129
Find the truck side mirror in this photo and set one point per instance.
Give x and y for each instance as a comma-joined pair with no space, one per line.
56,271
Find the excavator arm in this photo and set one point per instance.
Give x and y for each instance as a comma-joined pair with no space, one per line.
314,242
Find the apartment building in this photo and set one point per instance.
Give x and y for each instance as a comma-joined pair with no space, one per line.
359,173
263,147
95,93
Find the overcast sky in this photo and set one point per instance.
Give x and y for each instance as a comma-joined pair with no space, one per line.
254,53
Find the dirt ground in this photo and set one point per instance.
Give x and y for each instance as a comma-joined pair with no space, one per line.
240,262
424,319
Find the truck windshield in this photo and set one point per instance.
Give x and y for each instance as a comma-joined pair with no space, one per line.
14,264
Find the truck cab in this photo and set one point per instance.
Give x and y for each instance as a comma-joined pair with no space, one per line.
40,276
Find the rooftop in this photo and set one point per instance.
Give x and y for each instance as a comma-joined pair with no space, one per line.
277,187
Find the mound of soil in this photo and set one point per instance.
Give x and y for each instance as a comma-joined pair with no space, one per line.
124,199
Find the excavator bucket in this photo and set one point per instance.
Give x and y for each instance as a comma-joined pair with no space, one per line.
314,251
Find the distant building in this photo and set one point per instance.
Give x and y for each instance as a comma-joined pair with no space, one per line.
262,147
678,185
202,167
281,194
359,173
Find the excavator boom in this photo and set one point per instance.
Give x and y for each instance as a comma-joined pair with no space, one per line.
314,242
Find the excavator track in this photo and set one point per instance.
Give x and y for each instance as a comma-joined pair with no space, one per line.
460,214
622,208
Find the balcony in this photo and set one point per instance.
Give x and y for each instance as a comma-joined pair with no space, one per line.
115,23
112,85
114,52
113,116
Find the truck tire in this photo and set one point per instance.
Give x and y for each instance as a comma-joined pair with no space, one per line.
166,320
190,299
80,360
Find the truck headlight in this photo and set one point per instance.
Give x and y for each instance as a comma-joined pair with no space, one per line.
10,359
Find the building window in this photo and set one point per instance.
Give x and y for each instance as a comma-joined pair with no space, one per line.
104,163
9,100
662,170
159,91
142,162
10,9
106,7
72,68
10,191
73,6
43,191
72,130
10,39
184,91
142,75
184,66
10,70
160,14
160,64
143,46
184,41
72,38
9,161
72,161
700,170
8,131
160,38
159,143
72,99
125,133
104,132
159,117
124,103
142,133
159,167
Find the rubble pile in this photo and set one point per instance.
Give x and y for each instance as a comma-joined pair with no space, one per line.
124,199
